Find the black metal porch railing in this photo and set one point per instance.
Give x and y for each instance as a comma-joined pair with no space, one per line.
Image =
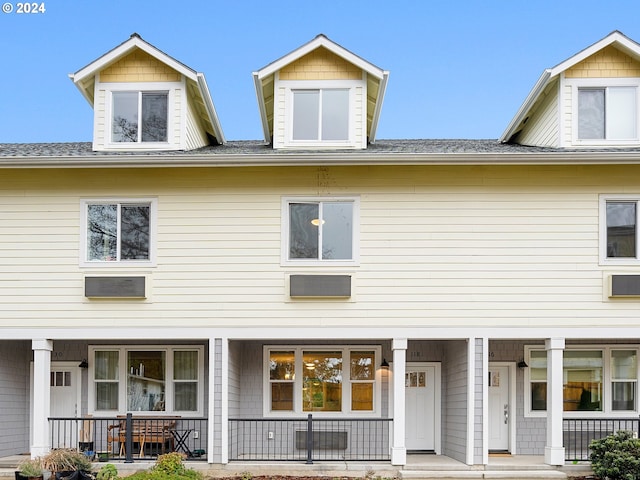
130,437
578,433
310,439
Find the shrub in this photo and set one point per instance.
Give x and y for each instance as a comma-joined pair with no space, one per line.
31,468
107,472
616,457
168,467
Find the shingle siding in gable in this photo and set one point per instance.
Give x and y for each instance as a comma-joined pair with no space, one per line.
607,63
139,66
320,64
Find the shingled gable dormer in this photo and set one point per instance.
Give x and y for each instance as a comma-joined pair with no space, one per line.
588,101
145,100
320,96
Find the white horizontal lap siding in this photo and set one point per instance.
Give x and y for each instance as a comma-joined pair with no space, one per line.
567,108
455,246
279,116
542,129
360,120
174,127
195,134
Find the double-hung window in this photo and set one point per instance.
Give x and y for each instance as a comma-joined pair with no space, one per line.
595,379
139,117
322,380
118,232
619,229
320,231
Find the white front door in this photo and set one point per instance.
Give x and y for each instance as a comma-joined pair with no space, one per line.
422,406
65,401
499,408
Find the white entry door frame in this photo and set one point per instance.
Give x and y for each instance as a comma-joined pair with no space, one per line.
65,401
426,414
508,368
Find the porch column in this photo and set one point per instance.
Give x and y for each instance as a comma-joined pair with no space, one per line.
399,450
554,450
41,396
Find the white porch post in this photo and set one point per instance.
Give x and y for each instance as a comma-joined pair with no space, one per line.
554,450
399,450
41,396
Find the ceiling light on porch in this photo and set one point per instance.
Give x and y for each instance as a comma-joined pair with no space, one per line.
317,222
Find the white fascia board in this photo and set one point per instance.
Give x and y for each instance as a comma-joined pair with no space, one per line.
257,81
211,109
629,46
382,88
321,41
125,48
531,99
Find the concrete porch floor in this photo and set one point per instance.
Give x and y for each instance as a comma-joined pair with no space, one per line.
419,466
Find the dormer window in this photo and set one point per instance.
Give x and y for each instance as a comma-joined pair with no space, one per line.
139,117
320,115
607,113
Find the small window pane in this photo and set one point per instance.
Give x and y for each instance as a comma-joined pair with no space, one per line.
102,232
135,232
185,397
282,365
146,385
106,396
621,113
154,117
362,396
624,365
621,229
624,395
306,112
337,231
282,396
125,117
591,113
335,114
538,365
539,396
106,366
185,365
303,230
362,367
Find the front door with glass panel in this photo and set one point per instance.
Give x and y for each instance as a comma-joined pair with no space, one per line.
422,412
64,402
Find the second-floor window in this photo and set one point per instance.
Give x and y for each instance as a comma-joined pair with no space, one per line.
118,231
139,117
321,115
619,229
607,113
320,230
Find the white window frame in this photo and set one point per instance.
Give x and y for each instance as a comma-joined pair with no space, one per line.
603,83
346,381
349,85
169,88
320,262
603,200
153,212
122,379
607,411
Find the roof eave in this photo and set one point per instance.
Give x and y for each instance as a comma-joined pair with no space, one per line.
322,158
211,109
257,81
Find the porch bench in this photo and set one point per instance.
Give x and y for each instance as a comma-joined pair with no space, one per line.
145,430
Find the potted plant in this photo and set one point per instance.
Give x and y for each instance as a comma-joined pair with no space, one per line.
31,468
68,464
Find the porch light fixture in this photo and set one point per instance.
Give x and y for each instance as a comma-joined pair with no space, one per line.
317,222
522,364
83,363
384,364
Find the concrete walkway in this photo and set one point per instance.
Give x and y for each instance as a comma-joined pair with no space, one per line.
419,467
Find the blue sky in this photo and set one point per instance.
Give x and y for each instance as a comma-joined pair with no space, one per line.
458,69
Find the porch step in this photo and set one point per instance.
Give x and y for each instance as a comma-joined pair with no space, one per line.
522,474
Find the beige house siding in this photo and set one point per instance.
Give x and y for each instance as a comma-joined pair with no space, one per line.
567,114
542,127
100,124
279,113
607,63
320,64
139,66
455,246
